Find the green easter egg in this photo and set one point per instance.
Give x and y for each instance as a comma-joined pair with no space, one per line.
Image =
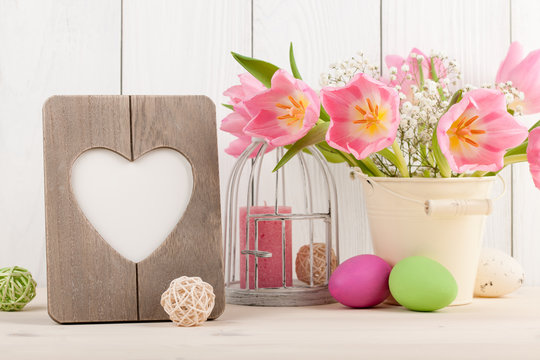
422,284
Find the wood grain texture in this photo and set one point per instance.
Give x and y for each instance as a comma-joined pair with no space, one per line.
477,34
47,47
88,281
322,32
495,329
526,197
186,124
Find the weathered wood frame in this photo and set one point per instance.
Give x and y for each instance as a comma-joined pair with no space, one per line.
87,280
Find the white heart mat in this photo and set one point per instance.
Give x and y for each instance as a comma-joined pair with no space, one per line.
133,205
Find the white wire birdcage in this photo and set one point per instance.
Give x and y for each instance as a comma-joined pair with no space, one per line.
260,236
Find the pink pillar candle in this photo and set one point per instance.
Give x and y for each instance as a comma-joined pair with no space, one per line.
270,270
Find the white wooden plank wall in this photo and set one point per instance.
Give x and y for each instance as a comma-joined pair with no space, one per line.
182,47
526,199
46,47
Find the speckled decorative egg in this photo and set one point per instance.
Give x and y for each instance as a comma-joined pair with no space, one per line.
422,284
361,281
498,274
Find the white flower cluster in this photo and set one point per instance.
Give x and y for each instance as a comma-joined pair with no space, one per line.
340,73
419,117
422,108
514,97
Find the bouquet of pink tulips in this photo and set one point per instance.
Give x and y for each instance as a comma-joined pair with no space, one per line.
412,123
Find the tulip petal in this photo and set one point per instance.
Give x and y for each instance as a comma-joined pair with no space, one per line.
234,123
513,57
285,112
364,116
475,133
533,155
238,146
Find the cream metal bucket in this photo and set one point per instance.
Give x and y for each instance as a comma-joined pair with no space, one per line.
442,219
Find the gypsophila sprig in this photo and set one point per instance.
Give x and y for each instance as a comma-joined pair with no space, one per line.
340,73
514,98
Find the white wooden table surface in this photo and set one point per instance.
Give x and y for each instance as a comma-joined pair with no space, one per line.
505,328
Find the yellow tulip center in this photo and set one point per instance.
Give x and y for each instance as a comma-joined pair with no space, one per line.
294,112
462,130
370,117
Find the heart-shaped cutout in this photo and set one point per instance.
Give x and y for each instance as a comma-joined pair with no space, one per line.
134,205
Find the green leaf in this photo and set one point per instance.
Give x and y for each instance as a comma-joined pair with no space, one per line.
330,154
518,150
522,148
228,106
324,115
390,156
455,99
440,159
435,78
316,135
292,61
261,70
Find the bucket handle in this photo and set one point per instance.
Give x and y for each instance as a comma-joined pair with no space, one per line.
442,207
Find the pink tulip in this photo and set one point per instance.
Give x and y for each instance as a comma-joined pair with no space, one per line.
235,122
364,116
475,133
285,112
414,70
237,147
249,86
524,73
533,155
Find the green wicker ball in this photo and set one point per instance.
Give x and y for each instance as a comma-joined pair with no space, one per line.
17,288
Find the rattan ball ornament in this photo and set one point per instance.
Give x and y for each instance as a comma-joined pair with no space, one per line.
303,264
188,301
17,288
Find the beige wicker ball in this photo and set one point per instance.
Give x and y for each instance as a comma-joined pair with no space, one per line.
319,263
188,301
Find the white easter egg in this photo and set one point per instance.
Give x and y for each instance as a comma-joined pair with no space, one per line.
498,274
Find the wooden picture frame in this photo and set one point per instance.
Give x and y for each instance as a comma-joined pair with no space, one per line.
87,280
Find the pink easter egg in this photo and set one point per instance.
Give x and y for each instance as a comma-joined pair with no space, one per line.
361,281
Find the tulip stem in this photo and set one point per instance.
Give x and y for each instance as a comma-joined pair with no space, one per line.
512,159
421,73
372,167
508,160
435,78
401,164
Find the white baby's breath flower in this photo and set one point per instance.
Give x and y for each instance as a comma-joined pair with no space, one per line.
406,106
340,73
409,134
405,67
